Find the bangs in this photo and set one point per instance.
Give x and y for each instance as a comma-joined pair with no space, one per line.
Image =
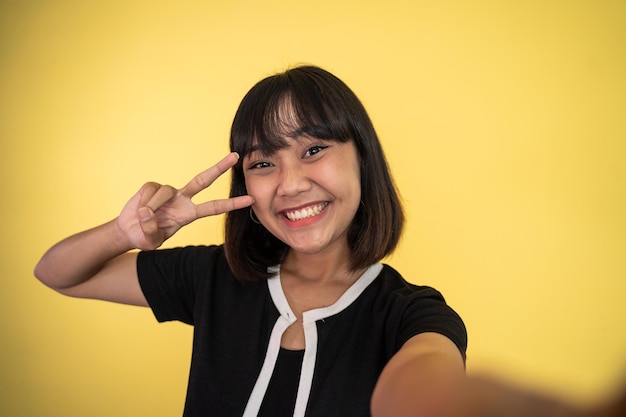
288,107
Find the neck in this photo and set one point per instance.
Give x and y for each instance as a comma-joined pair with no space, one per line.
321,268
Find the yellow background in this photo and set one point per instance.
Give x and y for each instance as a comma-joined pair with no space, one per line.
504,123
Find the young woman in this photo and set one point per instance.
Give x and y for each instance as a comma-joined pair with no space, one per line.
294,315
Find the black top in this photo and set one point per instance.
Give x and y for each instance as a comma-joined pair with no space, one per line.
280,398
237,331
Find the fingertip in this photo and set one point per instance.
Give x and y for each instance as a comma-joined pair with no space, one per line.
144,214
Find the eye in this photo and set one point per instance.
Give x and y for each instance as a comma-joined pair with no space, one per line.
313,150
260,164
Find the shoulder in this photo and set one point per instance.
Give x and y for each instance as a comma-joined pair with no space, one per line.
190,263
186,254
415,309
214,250
393,284
181,282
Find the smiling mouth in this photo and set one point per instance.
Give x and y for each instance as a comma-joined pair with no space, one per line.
306,212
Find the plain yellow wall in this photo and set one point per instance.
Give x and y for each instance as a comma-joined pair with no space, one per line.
504,124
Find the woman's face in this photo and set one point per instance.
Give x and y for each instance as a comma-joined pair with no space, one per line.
307,193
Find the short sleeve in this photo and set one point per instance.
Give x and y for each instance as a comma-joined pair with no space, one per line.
426,310
414,309
170,278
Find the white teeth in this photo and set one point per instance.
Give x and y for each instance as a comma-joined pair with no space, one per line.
305,212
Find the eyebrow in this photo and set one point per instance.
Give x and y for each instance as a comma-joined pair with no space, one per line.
270,148
265,151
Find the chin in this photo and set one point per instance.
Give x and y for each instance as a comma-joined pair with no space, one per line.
308,247
307,250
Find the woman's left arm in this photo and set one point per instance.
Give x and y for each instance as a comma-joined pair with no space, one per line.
419,379
426,378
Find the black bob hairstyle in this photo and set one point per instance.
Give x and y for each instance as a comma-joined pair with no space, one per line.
322,107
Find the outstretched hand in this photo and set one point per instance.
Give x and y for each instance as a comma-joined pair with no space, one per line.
158,211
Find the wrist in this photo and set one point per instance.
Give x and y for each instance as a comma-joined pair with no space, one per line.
118,238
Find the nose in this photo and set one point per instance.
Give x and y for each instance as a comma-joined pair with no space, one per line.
294,179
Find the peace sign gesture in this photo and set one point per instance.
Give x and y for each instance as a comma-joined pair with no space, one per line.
158,211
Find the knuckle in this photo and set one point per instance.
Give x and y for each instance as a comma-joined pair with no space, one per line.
215,206
201,182
150,186
169,190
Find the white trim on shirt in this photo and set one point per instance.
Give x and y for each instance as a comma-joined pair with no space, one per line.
309,319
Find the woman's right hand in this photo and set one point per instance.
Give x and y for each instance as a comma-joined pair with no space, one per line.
157,211
98,263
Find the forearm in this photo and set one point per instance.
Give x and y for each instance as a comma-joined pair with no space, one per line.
77,258
419,379
421,387
410,395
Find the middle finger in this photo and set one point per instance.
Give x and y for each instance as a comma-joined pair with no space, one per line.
206,178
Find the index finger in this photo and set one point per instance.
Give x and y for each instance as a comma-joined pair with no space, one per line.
207,177
211,208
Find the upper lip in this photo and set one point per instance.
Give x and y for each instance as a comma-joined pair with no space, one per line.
302,206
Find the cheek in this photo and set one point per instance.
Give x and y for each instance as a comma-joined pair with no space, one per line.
351,177
258,189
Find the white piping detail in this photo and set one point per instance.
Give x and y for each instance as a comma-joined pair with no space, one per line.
286,319
309,322
347,298
308,368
